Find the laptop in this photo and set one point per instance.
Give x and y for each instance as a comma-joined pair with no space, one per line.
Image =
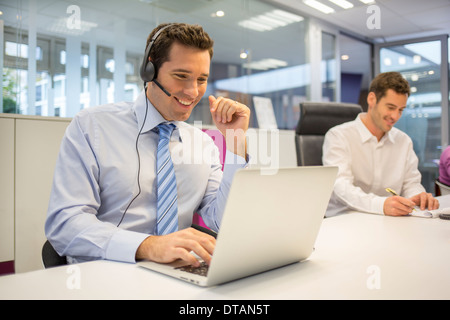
270,220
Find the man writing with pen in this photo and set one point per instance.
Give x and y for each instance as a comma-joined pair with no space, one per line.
372,156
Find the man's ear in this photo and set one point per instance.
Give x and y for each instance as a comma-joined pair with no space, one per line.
371,99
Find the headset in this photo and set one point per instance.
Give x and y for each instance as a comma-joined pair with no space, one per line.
148,70
148,74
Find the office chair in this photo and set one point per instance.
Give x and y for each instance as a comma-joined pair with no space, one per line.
50,257
316,118
440,188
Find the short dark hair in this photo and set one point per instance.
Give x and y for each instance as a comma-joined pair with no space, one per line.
191,35
389,80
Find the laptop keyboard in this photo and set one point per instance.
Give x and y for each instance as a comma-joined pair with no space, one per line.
202,270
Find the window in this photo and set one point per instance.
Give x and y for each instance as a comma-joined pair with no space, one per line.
260,50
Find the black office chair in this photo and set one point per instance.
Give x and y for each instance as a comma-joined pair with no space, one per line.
50,257
316,118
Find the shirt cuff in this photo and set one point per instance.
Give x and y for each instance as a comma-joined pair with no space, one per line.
123,245
378,205
232,163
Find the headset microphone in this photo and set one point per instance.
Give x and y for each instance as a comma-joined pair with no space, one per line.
161,87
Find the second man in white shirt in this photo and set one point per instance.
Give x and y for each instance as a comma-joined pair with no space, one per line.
372,155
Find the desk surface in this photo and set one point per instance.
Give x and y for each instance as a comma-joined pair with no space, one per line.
357,256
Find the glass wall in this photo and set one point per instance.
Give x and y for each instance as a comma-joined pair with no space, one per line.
328,77
86,55
356,72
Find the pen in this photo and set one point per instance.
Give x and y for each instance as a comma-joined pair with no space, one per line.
391,191
395,194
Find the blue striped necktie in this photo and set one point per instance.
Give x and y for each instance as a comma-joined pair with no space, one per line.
166,190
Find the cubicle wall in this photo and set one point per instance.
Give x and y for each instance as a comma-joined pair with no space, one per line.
29,147
6,194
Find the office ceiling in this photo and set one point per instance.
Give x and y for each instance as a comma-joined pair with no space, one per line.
399,19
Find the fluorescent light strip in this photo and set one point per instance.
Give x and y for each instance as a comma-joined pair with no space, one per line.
270,20
249,24
285,16
265,64
342,3
367,1
319,6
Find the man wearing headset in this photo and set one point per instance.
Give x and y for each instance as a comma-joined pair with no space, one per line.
103,203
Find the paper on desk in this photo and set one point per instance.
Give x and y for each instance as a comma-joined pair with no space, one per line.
429,213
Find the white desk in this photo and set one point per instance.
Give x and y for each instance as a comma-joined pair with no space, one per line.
406,257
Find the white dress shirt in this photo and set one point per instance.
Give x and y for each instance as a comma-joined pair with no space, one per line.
368,166
96,178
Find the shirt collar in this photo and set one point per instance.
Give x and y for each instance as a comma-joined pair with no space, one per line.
388,136
366,135
153,118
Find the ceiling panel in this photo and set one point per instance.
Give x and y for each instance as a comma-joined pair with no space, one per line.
398,17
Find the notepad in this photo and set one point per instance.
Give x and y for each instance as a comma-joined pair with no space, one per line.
429,213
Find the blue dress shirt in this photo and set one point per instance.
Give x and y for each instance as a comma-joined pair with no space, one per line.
96,178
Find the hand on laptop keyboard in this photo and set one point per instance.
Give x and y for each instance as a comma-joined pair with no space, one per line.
177,245
202,270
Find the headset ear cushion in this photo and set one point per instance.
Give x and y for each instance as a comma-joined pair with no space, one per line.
147,71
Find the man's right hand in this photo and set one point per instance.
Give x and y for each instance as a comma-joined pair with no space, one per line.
398,206
178,245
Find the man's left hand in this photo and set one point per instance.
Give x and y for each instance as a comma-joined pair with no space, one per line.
425,201
232,119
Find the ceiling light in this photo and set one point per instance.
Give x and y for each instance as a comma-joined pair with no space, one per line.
367,1
218,13
270,20
401,60
430,72
387,61
417,59
413,89
60,26
414,77
319,6
265,64
345,57
243,54
342,3
284,16
249,24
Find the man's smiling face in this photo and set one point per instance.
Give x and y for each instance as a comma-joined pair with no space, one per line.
184,75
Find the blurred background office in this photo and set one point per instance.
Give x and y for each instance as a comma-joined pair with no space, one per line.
59,57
